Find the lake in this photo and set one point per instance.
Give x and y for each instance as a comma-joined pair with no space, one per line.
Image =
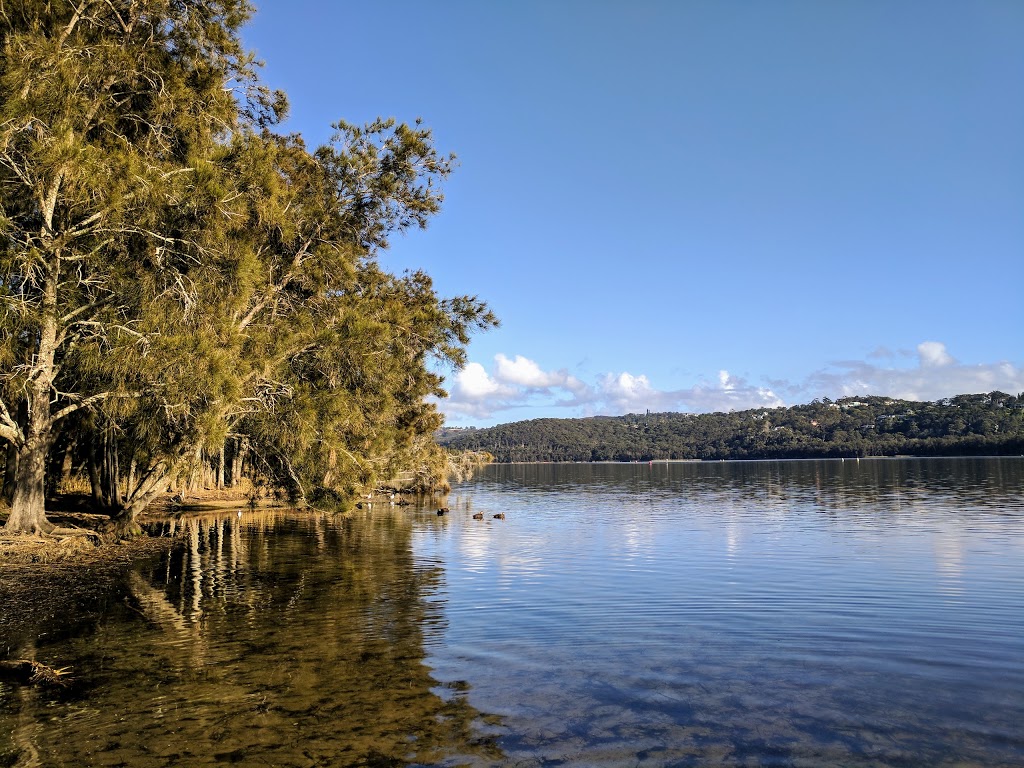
796,613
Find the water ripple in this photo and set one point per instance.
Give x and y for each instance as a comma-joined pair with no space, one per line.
793,605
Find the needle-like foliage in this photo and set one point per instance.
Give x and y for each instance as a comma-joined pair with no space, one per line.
174,275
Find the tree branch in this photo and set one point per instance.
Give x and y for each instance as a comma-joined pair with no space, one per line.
67,410
72,24
6,419
11,435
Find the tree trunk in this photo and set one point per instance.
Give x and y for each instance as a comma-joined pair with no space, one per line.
220,469
152,485
28,505
236,462
10,472
94,472
58,463
132,468
68,464
113,470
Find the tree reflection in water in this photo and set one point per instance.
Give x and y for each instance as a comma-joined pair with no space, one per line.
274,638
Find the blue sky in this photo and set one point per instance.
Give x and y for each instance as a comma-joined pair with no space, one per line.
697,205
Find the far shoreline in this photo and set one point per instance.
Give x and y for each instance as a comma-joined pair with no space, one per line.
897,457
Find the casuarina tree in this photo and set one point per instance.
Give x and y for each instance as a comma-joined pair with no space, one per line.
175,275
109,113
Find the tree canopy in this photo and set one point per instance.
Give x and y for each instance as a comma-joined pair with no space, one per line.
179,282
991,423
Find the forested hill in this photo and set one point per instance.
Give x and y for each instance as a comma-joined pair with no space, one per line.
854,426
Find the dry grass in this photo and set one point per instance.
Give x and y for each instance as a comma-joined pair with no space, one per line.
23,550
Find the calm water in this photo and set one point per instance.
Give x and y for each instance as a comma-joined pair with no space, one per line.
776,613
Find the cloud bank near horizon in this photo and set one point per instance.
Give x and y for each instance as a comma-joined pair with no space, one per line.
518,388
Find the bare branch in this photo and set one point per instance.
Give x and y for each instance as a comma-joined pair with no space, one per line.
11,435
72,24
85,308
9,429
67,410
274,289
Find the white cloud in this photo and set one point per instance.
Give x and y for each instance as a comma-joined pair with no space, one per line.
937,375
474,393
473,383
625,386
512,384
519,388
624,393
524,372
732,393
516,385
933,354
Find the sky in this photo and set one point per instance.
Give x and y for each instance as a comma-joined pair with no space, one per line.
696,205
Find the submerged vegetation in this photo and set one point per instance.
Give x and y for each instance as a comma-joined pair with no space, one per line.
184,291
981,424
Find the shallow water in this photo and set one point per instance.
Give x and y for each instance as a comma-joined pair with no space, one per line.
852,613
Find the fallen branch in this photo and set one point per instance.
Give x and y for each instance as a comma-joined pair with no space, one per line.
33,673
62,533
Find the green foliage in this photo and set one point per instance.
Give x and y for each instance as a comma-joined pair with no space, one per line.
855,426
175,276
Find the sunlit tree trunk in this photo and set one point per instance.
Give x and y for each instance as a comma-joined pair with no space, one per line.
220,468
28,504
29,499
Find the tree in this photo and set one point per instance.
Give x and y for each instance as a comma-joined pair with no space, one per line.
110,111
324,340
175,275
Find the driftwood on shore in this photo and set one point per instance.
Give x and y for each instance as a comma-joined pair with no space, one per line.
29,672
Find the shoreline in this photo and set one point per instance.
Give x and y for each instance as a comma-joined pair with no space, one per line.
894,457
53,586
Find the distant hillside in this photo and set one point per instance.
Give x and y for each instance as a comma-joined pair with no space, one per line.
853,426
